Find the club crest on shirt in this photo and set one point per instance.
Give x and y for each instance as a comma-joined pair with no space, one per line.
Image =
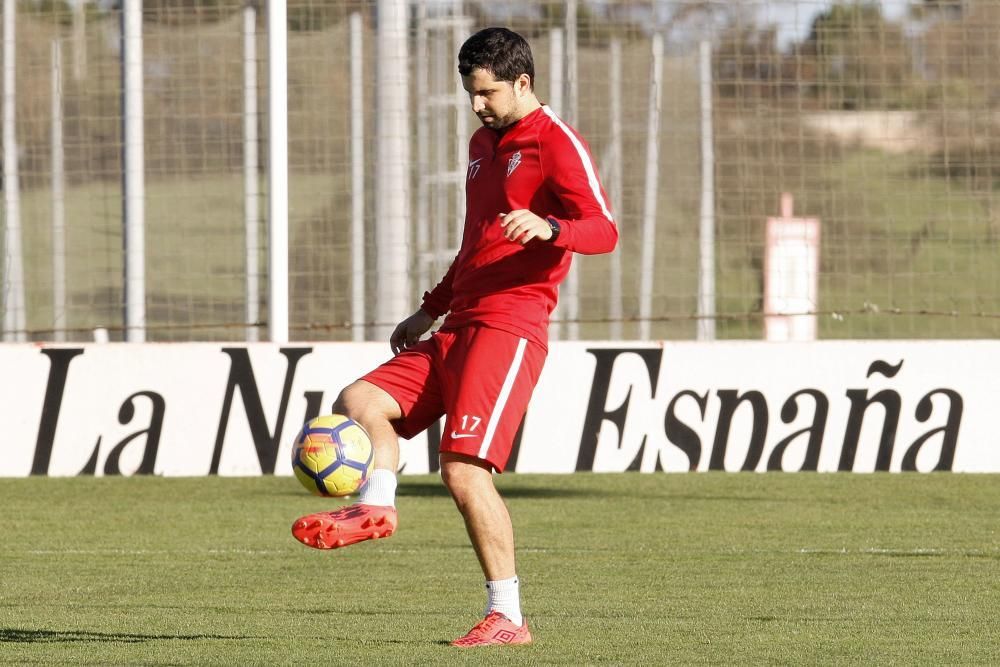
513,162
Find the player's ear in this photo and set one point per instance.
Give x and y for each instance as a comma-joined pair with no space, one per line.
522,85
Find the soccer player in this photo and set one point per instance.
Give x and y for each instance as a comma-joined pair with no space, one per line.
533,199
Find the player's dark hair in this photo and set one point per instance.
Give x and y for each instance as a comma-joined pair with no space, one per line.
502,52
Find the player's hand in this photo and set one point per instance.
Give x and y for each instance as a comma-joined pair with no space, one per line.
522,225
408,332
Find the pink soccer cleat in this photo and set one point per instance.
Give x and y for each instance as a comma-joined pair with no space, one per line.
345,526
494,630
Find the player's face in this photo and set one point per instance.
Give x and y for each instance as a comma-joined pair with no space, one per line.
496,103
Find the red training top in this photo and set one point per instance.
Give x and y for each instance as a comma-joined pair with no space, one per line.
541,164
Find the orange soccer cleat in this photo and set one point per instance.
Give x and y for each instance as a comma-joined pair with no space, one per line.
494,630
347,525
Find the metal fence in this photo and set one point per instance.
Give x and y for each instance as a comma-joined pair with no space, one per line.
878,119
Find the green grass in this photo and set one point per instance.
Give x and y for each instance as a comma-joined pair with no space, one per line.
906,242
903,255
915,234
616,569
891,242
195,254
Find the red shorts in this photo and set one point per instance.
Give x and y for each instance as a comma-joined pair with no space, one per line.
479,378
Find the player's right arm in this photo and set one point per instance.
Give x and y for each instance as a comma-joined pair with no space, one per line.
408,332
436,303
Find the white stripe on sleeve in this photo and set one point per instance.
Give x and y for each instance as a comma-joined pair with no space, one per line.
588,166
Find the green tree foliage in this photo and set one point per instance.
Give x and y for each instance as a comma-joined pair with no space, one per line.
187,12
861,60
748,65
316,15
58,12
967,49
960,65
937,8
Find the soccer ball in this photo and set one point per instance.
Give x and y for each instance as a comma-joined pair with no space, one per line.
332,456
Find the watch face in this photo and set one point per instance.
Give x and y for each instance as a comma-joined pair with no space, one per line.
554,226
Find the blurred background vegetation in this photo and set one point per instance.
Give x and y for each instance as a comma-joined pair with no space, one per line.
885,127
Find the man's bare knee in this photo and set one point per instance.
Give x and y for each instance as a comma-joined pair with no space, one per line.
350,401
464,475
363,402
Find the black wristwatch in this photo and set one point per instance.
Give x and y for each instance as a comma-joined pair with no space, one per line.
555,227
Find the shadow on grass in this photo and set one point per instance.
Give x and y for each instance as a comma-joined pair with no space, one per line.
22,636
437,490
434,489
719,498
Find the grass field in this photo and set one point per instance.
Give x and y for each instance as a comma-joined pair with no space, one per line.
616,569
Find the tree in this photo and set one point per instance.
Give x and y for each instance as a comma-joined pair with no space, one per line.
950,9
748,64
861,60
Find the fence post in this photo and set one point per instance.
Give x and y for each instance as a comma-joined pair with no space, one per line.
133,177
277,65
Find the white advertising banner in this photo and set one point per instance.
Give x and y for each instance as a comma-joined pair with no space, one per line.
233,409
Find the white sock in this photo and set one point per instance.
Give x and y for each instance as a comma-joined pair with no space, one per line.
380,489
504,596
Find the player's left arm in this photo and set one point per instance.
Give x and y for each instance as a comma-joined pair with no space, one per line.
588,226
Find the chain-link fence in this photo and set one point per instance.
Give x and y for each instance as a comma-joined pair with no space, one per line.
879,119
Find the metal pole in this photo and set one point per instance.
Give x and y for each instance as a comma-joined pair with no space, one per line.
251,174
651,189
392,171
460,31
706,226
572,85
134,180
445,236
277,67
422,85
357,181
571,296
13,271
556,56
79,39
614,173
58,200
